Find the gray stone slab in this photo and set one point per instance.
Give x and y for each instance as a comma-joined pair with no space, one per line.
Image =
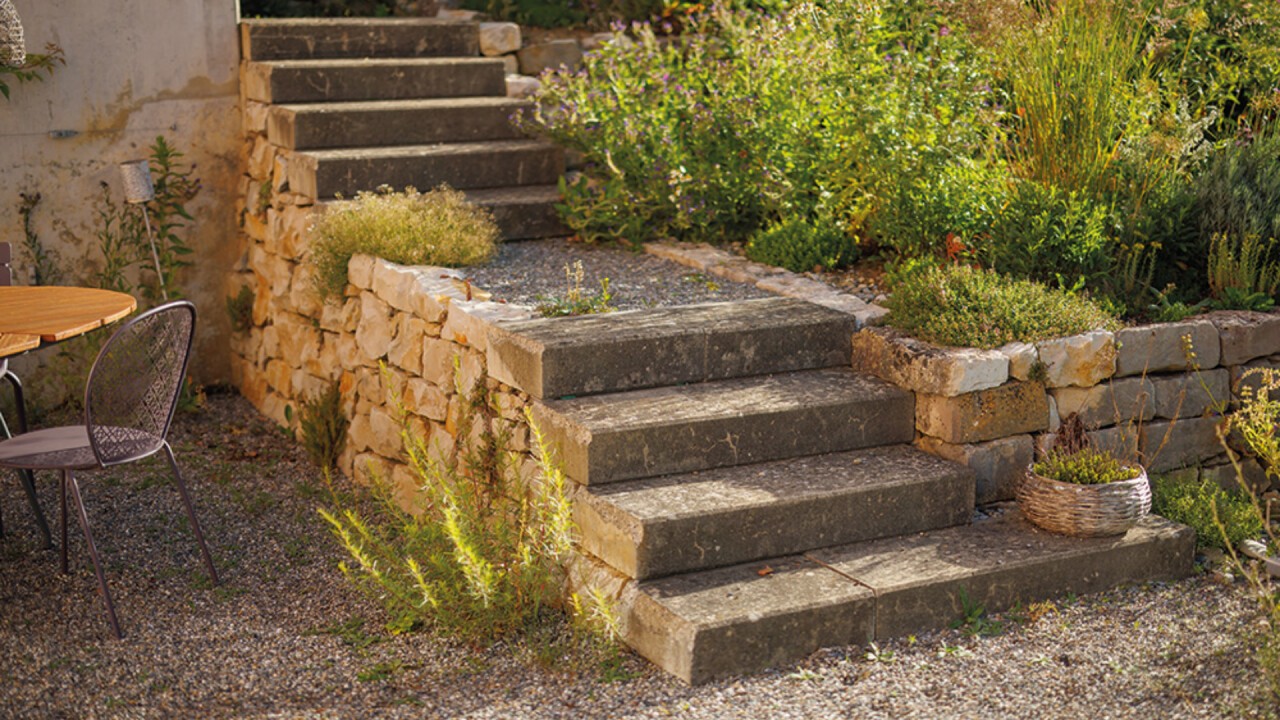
383,123
707,625
1191,394
1113,402
523,213
998,465
647,433
665,346
339,80
1246,335
1160,348
1001,561
661,526
322,174
299,38
1168,445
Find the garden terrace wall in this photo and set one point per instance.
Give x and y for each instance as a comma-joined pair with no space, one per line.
1152,392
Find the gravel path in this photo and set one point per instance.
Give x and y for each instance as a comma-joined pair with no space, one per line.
285,636
527,272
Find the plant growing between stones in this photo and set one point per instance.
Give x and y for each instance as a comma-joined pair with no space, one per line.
240,309
485,553
575,301
323,426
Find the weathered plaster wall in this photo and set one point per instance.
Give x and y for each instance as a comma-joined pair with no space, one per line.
134,69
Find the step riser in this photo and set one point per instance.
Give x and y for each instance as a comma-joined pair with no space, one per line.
742,619
338,129
599,456
480,169
268,84
818,502
527,221
676,347
306,39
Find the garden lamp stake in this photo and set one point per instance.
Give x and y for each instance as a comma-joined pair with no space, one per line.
138,190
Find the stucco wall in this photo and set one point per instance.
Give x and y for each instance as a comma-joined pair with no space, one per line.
134,69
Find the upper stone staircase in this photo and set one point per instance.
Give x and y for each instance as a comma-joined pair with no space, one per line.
764,499
361,103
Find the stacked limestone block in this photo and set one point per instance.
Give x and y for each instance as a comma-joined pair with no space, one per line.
1154,393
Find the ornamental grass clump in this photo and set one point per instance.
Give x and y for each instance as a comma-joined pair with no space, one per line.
968,307
410,228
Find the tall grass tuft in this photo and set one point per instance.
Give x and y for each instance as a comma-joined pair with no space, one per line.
411,228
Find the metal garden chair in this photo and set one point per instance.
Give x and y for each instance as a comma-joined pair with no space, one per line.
25,476
129,403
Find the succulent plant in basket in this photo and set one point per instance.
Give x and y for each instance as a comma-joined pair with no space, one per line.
1079,490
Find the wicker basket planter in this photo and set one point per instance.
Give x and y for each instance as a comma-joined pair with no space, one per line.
1084,510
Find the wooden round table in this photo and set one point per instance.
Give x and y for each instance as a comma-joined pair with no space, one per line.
32,315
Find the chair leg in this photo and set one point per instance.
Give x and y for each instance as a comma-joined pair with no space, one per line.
191,514
62,495
26,476
69,480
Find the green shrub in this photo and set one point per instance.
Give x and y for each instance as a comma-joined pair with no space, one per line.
801,246
324,426
240,309
1085,466
958,305
1238,193
436,228
1221,519
1051,236
485,553
1240,276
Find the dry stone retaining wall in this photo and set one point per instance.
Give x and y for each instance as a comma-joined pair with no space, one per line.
1153,392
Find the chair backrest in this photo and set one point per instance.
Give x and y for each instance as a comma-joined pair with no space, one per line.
6,253
135,382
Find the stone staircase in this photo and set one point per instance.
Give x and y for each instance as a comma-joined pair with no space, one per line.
762,499
360,103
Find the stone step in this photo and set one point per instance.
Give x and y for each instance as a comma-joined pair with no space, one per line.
612,352
380,123
323,174
343,80
710,624
661,526
305,38
523,213
663,431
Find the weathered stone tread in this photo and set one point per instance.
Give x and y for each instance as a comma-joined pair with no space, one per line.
380,123
646,433
700,626
355,79
523,213
666,346
297,38
677,523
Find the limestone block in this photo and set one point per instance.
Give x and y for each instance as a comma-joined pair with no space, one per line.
1191,394
1022,358
553,55
1180,443
1081,360
369,469
340,316
1110,403
406,349
437,361
470,370
1225,475
1246,335
307,387
999,464
499,38
1163,347
426,399
1251,375
291,231
360,271
255,118
871,316
522,86
396,284
279,409
302,291
255,226
926,368
280,173
347,351
298,337
261,159
406,488
510,65
377,328
1055,418
1011,409
468,322
384,433
274,269
261,299
326,363
253,384
394,382
510,406
446,13
280,377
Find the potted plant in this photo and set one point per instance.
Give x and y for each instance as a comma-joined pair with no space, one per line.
1079,490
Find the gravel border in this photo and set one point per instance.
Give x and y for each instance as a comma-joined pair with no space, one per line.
258,647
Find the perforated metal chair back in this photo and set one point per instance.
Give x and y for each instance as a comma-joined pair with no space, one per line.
135,382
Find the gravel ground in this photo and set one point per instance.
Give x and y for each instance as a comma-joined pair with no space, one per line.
527,272
269,642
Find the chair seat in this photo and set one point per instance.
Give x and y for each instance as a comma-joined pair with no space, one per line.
68,447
